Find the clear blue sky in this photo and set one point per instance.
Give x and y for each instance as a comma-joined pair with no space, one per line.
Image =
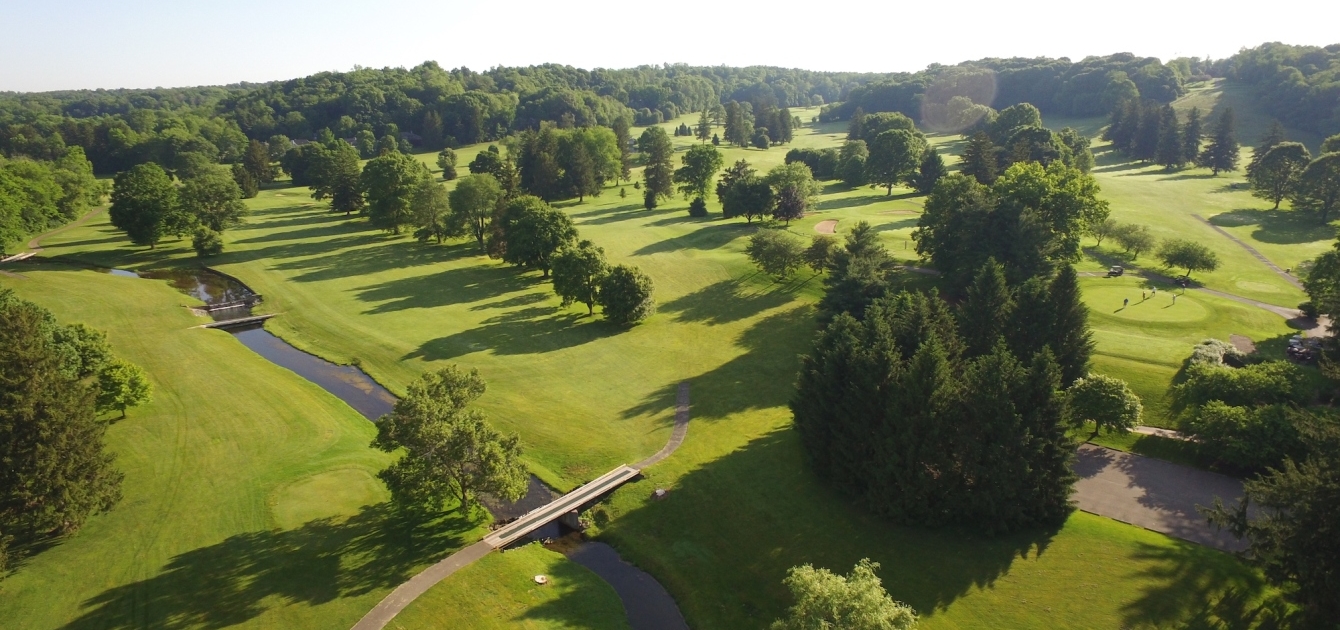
64,44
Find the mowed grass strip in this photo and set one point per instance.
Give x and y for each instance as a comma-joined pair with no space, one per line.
249,492
585,397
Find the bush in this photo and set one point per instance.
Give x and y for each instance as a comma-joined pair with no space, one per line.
626,295
698,207
1216,352
1309,309
1248,439
207,242
1266,383
649,199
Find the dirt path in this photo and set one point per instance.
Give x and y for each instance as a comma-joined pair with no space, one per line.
1252,250
826,227
1153,494
653,613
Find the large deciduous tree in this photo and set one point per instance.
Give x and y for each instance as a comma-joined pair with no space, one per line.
473,203
532,232
894,157
1106,402
1274,176
143,201
856,601
794,189
701,164
1318,187
389,182
1190,255
776,252
432,212
578,272
214,200
335,175
450,452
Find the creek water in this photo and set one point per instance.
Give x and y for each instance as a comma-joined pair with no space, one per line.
647,604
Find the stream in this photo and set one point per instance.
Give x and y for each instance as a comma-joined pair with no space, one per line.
647,604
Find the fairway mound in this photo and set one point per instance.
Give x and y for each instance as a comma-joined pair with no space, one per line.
826,227
339,492
1107,302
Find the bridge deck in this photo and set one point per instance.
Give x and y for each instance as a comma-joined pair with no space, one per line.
541,516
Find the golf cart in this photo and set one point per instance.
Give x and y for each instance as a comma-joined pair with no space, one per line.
1115,270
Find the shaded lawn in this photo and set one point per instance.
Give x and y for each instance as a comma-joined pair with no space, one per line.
249,496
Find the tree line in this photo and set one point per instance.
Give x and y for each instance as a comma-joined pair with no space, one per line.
55,381
38,195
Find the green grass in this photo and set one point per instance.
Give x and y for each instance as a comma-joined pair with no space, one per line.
499,591
247,489
585,396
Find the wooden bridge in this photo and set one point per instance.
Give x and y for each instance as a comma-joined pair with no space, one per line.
555,509
239,322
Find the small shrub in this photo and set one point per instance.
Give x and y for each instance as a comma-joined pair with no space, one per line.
698,207
207,242
1215,352
1309,309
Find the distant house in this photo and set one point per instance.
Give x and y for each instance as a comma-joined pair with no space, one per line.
300,142
351,140
413,138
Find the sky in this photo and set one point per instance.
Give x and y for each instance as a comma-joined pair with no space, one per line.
76,44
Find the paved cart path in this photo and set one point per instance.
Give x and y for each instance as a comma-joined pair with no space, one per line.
1154,494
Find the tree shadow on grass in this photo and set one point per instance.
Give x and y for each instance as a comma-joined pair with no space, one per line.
459,285
1191,586
360,255
533,330
238,579
579,604
728,301
1284,227
759,378
852,202
602,216
705,238
723,539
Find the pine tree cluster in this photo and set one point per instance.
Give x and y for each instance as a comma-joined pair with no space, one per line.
1153,132
934,418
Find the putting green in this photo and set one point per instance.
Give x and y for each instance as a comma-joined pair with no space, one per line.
339,492
1107,301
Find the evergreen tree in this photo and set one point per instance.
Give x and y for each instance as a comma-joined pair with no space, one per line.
257,162
1123,125
704,130
245,182
1191,134
979,159
851,162
856,128
1146,142
1071,341
931,170
579,172
986,310
54,469
1221,154
659,174
784,126
621,135
1169,152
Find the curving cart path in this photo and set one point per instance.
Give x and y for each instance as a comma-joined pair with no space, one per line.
648,607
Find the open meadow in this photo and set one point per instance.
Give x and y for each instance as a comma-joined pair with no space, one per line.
292,534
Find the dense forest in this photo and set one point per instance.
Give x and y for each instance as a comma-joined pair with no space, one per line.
184,130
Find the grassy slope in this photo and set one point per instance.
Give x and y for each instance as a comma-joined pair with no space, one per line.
499,592
245,486
584,397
